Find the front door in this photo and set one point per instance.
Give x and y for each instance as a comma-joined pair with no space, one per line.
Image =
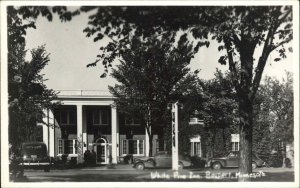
101,152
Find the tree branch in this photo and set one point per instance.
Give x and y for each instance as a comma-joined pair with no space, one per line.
262,62
236,40
232,66
266,51
281,43
280,20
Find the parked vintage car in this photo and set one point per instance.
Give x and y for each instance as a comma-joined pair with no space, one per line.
160,159
34,155
232,160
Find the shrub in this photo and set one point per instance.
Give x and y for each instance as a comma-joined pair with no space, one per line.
275,160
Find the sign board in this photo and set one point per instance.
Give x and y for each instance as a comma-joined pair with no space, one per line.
175,136
195,139
235,138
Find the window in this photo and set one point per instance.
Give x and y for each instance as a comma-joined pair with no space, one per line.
196,148
160,145
67,146
124,144
76,144
60,146
134,147
235,146
141,146
67,117
100,117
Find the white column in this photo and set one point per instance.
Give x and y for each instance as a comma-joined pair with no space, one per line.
114,134
45,129
147,145
79,134
84,130
48,131
200,148
118,138
51,134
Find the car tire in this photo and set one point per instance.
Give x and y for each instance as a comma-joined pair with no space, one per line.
254,165
180,166
151,162
216,166
140,166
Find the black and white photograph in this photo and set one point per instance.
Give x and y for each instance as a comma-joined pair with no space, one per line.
150,94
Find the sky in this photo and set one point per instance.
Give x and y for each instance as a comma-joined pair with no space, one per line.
70,51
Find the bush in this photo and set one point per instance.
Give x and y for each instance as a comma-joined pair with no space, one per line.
73,161
89,158
275,160
288,163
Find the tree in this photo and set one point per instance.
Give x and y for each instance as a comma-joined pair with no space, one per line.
217,110
261,126
27,95
242,38
148,72
189,93
279,98
239,30
214,102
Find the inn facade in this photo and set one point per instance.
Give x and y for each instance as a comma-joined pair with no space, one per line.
88,120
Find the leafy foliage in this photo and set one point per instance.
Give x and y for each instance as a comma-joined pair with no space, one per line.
148,72
27,95
239,31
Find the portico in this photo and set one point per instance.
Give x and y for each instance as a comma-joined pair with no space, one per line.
88,120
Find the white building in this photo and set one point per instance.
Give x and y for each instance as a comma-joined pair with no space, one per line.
87,120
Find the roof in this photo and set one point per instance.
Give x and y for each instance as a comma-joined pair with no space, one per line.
83,94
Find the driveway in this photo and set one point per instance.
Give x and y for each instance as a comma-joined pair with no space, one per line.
129,174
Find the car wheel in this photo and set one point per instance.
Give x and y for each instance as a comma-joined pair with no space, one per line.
151,162
180,166
140,166
254,165
217,166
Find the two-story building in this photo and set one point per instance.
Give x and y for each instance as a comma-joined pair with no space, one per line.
88,120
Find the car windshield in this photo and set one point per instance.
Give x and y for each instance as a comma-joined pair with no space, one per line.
37,149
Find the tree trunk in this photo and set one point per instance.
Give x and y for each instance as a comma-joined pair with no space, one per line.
224,140
213,144
246,97
150,144
283,154
245,130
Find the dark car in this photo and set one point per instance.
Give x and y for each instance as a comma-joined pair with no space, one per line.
232,160
161,159
34,155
